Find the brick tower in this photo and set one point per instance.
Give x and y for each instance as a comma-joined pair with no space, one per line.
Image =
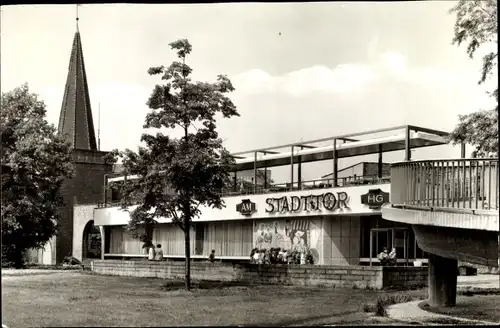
76,124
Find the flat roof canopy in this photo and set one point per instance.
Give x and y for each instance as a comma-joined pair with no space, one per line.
418,137
350,147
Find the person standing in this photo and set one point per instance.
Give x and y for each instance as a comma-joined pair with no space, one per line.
211,258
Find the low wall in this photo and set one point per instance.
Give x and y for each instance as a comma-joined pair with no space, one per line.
302,275
481,269
405,277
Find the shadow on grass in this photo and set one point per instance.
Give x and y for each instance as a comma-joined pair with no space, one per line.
471,291
307,321
202,284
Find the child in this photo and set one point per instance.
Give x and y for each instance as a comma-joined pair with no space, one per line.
211,258
158,253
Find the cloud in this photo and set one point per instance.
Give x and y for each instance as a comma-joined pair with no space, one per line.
303,82
389,67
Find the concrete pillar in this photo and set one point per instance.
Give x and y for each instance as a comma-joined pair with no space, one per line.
442,281
103,241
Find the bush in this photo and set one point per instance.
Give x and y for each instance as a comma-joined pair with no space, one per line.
380,307
71,260
467,270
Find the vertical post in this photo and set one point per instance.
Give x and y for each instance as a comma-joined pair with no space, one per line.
335,162
265,177
407,144
371,246
299,172
105,193
235,181
254,172
462,150
380,161
103,241
407,244
291,169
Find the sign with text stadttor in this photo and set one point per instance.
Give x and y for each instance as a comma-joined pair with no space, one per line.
327,201
375,198
286,205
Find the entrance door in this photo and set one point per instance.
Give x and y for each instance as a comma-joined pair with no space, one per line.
381,238
400,243
389,238
91,241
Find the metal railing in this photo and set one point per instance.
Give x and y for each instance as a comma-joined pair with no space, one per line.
305,185
455,183
287,187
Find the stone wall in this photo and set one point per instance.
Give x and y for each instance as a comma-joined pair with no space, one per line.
303,275
82,215
86,187
405,277
481,269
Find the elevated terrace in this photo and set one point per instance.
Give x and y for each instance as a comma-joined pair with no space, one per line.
462,187
294,155
452,206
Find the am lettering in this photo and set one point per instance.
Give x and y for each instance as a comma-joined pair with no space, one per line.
246,207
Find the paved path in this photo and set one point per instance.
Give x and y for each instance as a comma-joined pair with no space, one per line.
25,272
411,313
479,281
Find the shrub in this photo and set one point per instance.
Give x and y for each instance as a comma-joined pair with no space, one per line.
384,301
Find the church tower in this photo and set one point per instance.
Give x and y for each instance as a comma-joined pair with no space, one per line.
86,188
75,120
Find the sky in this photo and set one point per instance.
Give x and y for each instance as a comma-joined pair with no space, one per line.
302,71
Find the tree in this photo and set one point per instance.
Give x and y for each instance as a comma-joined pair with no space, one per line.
177,176
476,25
35,162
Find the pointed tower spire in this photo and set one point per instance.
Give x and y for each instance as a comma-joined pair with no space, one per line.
77,18
75,120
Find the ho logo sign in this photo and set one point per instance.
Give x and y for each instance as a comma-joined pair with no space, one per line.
375,198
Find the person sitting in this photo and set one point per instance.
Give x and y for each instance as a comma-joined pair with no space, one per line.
391,260
158,253
302,257
280,256
261,256
211,258
151,253
252,253
267,257
309,258
256,256
383,256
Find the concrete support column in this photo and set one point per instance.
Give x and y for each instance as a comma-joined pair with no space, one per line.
103,241
442,281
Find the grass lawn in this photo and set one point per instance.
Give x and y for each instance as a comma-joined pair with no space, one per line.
476,307
83,299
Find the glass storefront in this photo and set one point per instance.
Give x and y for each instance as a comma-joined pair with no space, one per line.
377,234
